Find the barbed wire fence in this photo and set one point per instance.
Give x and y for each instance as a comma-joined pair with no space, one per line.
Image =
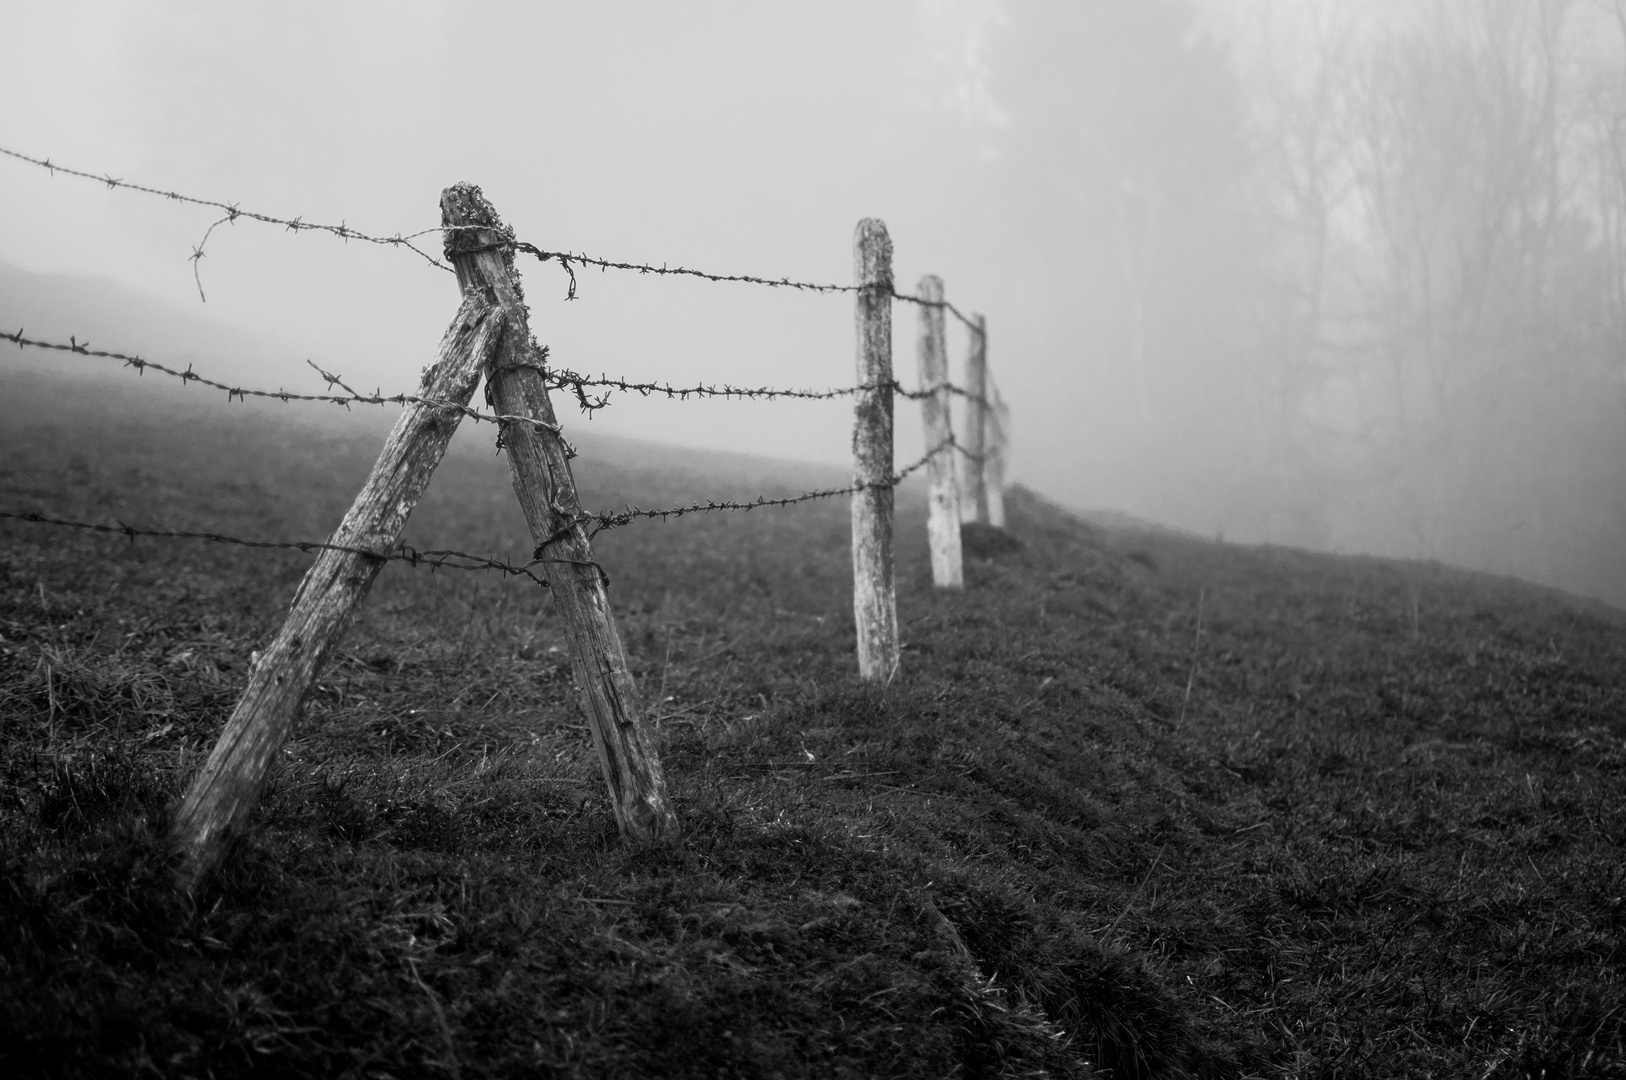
557,378
437,559
567,260
490,337
983,406
982,501
446,558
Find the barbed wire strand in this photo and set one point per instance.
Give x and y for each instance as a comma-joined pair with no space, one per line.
344,232
559,378
965,320
566,377
460,560
615,520
566,258
233,212
434,559
350,397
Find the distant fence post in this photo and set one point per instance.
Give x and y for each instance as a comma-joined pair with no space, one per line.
995,456
225,791
976,380
875,605
943,498
482,254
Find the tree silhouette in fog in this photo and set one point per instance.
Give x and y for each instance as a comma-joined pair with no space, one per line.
1352,274
1449,177
1126,166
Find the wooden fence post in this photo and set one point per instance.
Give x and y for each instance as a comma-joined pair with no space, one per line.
225,791
875,605
997,452
481,251
943,498
976,386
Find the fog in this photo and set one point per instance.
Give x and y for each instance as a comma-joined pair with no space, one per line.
1333,273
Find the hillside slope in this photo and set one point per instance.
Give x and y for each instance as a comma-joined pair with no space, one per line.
54,307
1138,804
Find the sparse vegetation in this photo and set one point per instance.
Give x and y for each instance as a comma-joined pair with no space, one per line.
1368,821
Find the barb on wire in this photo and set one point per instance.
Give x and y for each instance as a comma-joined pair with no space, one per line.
435,559
614,520
342,230
560,378
566,377
566,259
350,397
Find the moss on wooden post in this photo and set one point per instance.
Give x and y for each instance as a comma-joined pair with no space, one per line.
480,248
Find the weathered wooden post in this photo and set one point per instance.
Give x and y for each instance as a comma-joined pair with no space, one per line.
976,388
875,605
997,452
943,495
225,791
480,248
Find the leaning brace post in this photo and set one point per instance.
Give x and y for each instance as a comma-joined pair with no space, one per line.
998,451
225,791
976,388
875,605
480,248
943,495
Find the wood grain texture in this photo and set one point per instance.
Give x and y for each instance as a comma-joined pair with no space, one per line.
976,385
538,460
943,493
875,606
226,789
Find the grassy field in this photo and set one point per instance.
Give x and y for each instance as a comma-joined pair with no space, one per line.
1139,805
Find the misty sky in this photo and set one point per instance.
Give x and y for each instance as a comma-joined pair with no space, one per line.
736,137
1197,309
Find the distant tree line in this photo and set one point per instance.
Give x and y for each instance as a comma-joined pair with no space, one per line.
1360,266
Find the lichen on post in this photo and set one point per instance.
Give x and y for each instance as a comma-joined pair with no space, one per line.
875,607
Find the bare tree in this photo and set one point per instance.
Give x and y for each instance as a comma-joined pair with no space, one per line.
1450,177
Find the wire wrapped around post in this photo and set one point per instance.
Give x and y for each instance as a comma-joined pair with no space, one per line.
479,247
875,605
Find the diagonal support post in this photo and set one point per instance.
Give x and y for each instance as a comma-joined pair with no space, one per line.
481,250
225,791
